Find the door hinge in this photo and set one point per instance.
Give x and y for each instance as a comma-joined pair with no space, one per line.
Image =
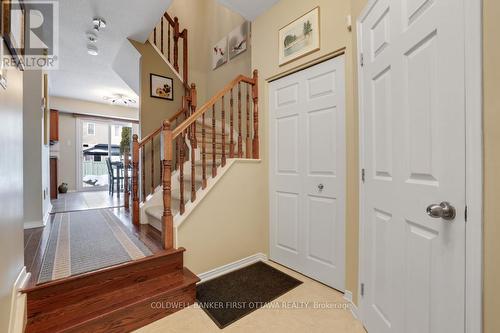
362,59
362,287
466,213
363,175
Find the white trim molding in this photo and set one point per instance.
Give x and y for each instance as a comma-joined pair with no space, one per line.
216,272
17,320
352,306
474,165
41,223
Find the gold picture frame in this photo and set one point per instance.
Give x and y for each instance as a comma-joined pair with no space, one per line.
300,37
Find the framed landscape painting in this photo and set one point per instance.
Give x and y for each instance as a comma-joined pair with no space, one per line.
162,87
299,38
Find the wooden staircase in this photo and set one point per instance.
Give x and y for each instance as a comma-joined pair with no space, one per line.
125,297
195,144
115,299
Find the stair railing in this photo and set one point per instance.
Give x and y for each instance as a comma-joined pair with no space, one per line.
243,142
140,149
165,37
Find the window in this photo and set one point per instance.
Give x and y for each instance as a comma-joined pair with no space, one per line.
90,129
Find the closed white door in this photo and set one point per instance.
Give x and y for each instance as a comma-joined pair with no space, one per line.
413,152
307,171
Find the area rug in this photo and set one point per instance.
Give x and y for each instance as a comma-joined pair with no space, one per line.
232,296
85,241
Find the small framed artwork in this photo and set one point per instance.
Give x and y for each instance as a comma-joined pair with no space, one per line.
219,53
300,37
162,87
238,40
13,21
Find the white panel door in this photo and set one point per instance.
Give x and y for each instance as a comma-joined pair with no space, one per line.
307,171
413,152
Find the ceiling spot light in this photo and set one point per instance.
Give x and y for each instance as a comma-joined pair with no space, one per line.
98,23
91,37
92,49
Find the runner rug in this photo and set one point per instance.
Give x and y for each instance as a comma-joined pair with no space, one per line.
86,241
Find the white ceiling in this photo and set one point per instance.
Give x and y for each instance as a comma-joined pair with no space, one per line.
249,9
87,77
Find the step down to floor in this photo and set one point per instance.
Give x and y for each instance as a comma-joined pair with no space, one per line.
114,299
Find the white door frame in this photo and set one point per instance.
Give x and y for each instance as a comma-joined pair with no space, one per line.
474,164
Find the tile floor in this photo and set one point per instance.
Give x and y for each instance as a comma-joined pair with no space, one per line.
336,318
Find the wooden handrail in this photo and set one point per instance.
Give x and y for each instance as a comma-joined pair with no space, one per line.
205,107
169,19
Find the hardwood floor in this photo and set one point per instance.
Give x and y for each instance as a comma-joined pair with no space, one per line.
113,299
35,241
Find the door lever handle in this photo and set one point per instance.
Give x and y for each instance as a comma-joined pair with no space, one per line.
444,211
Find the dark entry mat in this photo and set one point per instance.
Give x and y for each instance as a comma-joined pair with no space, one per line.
232,296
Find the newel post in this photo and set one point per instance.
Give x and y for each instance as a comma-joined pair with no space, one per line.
255,97
135,179
167,218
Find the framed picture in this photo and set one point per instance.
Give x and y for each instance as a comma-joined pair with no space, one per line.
299,38
162,87
238,39
219,53
13,21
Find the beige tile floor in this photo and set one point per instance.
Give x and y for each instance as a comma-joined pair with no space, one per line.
290,320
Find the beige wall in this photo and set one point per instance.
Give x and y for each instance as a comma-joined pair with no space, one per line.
491,166
238,222
36,169
66,151
334,36
11,190
207,22
153,111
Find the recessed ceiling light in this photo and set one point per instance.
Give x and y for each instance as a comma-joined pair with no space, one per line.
92,49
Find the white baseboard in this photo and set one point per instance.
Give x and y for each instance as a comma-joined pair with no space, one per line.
232,267
353,307
39,224
17,320
34,224
47,214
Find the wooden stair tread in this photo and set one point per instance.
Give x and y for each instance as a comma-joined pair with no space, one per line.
99,307
53,294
